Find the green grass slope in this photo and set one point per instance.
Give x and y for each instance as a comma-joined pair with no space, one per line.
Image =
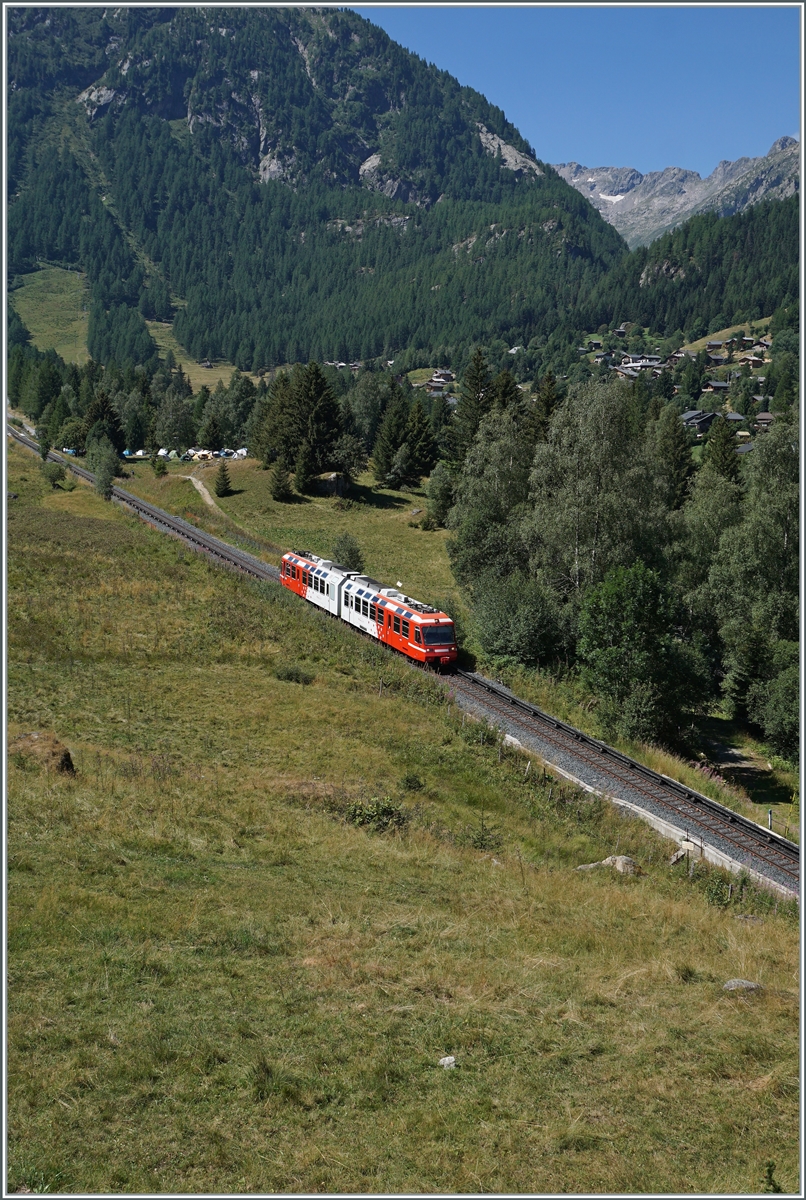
386,525
221,981
53,304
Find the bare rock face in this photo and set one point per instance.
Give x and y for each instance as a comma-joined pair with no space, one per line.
521,164
642,207
45,750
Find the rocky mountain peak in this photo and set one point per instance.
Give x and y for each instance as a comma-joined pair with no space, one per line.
642,207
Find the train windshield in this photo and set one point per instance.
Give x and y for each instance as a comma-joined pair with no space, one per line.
438,635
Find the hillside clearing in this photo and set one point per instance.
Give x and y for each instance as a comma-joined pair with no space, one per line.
54,305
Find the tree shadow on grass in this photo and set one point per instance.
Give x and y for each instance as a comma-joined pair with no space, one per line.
361,494
722,744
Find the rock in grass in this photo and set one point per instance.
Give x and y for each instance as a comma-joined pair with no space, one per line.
45,750
622,862
741,985
447,1062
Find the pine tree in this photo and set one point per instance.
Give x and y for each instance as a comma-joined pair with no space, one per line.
391,435
279,481
475,400
505,391
222,485
420,440
319,409
210,435
544,402
720,451
304,470
673,456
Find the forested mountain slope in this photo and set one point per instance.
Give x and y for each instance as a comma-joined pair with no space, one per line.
289,184
711,272
309,188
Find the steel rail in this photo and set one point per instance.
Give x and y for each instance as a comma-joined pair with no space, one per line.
768,848
680,801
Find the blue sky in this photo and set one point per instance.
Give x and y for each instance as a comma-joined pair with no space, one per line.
644,86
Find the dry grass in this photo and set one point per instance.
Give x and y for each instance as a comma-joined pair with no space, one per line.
163,335
54,305
381,519
722,335
217,984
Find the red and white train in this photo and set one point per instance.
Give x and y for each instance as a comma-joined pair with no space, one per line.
417,630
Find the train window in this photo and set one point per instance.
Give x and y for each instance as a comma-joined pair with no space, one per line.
417,637
396,623
365,607
373,613
405,625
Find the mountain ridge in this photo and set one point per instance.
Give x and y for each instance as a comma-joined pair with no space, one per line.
643,207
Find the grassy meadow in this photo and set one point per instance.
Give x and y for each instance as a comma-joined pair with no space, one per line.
54,305
163,335
275,893
384,521
395,548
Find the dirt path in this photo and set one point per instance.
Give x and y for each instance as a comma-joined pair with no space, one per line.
203,492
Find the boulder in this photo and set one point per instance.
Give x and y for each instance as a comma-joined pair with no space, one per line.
741,985
622,862
46,750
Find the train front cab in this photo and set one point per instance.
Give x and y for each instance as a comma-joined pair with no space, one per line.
417,630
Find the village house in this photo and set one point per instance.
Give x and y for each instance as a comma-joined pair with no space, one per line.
716,385
698,421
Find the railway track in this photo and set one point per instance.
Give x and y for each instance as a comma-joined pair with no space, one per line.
722,835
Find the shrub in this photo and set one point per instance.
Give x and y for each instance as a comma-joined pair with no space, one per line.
378,815
347,551
53,472
293,674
